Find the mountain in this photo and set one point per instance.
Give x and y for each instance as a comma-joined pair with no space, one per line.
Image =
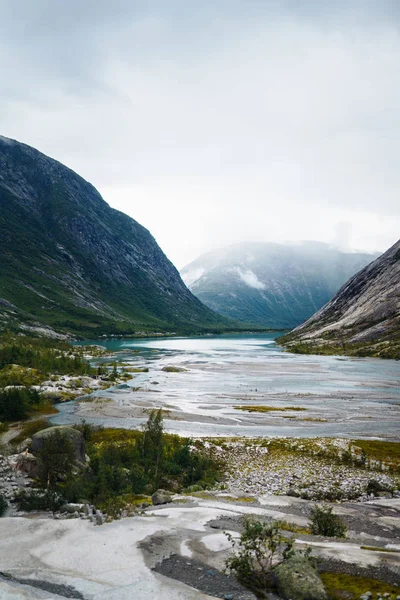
71,262
363,318
271,285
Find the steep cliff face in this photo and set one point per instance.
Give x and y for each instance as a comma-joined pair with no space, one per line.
365,311
272,285
70,261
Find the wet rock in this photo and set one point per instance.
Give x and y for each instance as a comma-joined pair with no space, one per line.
297,579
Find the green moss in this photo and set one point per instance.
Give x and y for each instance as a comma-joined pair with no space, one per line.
338,583
173,369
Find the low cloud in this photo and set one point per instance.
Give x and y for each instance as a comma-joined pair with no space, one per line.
251,279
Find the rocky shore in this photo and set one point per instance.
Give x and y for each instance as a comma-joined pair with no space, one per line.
262,469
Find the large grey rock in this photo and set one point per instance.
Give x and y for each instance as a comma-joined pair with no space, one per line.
75,436
161,497
297,579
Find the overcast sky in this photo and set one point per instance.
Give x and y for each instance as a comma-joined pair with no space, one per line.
217,121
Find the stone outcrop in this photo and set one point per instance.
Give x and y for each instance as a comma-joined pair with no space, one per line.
161,497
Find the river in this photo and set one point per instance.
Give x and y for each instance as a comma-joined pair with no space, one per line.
339,396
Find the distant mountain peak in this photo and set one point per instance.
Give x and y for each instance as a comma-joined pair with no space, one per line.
271,284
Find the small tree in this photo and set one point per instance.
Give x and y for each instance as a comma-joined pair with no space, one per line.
153,440
324,522
260,547
3,505
56,457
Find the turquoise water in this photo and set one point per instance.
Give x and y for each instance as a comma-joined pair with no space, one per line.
356,397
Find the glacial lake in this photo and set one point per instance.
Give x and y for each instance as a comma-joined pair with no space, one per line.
337,396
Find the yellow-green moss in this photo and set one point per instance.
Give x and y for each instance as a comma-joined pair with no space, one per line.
378,549
338,583
264,409
293,528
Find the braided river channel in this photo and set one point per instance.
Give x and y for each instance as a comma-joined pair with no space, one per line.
201,381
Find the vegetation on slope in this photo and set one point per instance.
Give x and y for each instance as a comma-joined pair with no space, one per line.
382,349
73,263
25,362
124,464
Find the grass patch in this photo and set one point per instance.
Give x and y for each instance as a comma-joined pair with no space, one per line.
293,528
265,409
173,370
387,453
136,369
246,499
338,583
30,428
378,549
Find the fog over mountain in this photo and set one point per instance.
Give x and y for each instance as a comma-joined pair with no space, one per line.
270,284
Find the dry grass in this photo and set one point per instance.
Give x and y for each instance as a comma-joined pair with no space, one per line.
265,409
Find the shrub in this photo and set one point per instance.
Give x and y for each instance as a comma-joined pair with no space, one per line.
30,500
324,522
56,457
3,505
375,486
15,403
257,551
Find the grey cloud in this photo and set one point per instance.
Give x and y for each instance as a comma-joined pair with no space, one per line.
284,110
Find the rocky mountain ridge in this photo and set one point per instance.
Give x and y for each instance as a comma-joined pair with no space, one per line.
365,311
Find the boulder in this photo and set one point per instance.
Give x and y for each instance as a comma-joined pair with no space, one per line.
75,436
29,464
297,579
161,497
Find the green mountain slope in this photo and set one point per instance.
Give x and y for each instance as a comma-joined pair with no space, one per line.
70,261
